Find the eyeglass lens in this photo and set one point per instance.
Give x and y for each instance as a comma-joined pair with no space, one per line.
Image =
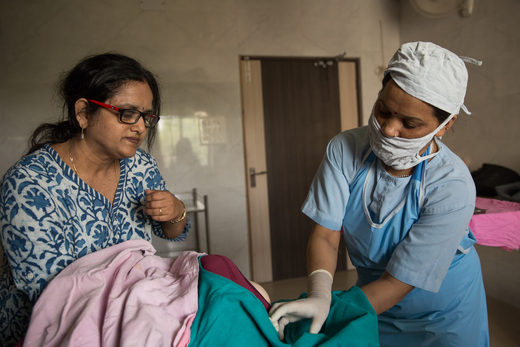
131,117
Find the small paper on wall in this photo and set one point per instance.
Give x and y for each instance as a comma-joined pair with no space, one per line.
212,130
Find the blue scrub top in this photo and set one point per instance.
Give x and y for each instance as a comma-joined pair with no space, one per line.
416,228
424,256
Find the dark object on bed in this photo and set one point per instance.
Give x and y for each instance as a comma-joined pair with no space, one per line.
510,191
490,176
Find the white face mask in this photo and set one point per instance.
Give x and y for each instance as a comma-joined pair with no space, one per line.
397,152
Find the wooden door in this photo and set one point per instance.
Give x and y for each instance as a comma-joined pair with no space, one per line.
292,108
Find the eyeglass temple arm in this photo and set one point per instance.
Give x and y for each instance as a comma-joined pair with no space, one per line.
110,107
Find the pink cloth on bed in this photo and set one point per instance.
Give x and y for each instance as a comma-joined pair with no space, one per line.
499,226
120,296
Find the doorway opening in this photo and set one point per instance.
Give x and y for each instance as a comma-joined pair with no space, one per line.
292,108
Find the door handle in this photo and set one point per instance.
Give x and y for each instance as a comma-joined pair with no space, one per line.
252,176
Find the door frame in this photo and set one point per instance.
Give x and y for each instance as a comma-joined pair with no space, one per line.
254,148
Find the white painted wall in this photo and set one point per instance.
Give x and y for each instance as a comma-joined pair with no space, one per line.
194,47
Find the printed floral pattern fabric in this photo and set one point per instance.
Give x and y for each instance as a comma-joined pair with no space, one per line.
49,217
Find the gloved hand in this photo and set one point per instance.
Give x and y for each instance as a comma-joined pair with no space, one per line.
316,306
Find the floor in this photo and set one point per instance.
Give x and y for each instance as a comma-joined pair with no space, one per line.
504,319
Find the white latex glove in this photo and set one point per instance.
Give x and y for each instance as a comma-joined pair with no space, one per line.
316,306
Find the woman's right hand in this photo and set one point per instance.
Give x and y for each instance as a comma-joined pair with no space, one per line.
316,306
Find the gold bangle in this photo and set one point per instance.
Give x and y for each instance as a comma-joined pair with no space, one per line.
181,217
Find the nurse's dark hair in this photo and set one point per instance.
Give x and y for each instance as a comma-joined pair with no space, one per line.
441,115
97,77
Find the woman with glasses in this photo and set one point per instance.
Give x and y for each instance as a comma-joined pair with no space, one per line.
84,184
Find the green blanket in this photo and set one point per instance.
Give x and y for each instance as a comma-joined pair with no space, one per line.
230,315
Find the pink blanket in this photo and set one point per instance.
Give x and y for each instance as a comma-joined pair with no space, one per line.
120,296
499,226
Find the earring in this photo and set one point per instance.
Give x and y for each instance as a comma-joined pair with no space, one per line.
447,128
82,136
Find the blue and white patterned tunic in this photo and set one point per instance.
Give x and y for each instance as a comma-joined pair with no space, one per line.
49,217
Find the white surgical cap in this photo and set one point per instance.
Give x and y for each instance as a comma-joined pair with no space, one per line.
432,74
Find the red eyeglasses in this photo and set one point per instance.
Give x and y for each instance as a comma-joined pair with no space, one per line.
130,116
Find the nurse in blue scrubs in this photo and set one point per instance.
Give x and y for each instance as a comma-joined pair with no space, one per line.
402,200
